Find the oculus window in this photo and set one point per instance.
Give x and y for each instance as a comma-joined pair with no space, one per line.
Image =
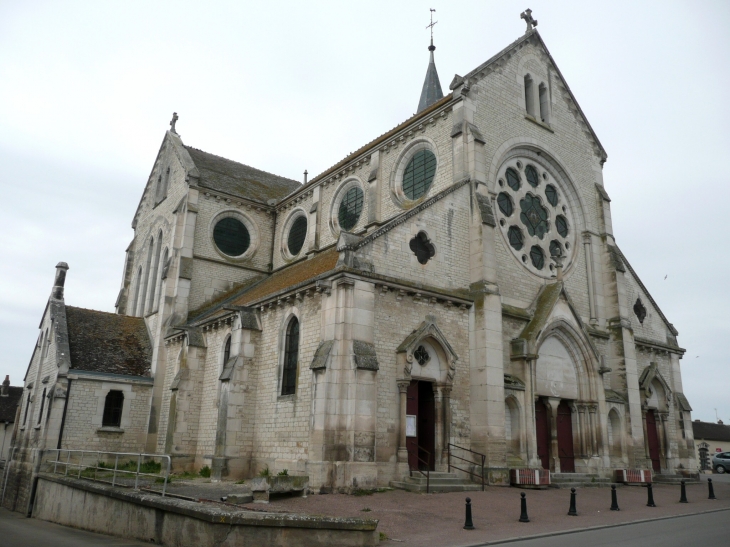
534,213
350,208
113,409
419,173
231,236
297,235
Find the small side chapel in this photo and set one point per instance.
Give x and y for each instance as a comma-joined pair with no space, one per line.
452,285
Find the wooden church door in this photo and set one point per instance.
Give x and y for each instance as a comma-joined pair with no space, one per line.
653,441
420,425
542,432
565,438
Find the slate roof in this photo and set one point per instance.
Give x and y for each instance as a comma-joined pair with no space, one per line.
237,179
9,404
431,92
711,431
286,278
108,342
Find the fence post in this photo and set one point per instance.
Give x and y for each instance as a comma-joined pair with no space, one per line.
68,458
164,486
448,448
114,476
136,477
483,457
81,461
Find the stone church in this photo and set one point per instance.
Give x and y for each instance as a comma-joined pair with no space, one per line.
453,284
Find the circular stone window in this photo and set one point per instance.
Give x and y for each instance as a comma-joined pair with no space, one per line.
297,235
419,173
534,216
231,236
350,208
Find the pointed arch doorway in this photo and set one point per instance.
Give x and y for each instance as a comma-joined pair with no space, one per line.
420,434
652,437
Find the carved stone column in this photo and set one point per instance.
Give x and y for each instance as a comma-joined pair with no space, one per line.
438,444
446,391
552,403
402,450
664,437
592,409
646,437
582,428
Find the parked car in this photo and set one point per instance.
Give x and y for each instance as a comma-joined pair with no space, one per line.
721,462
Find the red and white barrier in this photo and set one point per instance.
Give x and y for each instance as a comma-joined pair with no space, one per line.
537,477
633,476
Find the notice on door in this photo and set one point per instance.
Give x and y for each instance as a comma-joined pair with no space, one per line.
411,425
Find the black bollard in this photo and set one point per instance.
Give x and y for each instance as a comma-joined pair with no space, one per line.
650,496
712,490
523,507
683,495
468,524
614,501
572,511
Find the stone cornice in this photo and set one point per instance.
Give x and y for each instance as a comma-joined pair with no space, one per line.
651,344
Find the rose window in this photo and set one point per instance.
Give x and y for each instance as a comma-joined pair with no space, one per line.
534,215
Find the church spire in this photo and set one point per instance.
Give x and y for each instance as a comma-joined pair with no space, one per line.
431,91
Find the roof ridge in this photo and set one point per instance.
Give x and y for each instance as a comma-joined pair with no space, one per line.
105,312
239,163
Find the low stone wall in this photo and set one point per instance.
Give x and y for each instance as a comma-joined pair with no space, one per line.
168,521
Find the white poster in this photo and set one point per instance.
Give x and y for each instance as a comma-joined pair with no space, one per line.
410,425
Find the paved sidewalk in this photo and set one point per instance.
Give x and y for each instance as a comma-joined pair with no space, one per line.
432,520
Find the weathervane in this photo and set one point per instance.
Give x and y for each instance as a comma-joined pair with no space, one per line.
527,16
431,47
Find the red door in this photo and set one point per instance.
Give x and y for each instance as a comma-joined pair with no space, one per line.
653,439
542,432
565,439
420,405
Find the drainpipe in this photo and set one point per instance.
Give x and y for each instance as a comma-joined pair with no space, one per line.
63,416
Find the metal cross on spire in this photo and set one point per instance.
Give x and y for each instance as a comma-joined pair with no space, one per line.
431,47
173,122
527,16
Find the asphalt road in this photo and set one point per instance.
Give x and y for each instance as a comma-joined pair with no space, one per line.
716,477
18,531
707,530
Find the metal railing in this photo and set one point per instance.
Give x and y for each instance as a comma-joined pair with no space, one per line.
471,461
427,463
73,463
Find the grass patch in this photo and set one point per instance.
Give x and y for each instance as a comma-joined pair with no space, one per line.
283,473
161,480
383,537
186,475
366,509
204,472
265,472
362,492
131,465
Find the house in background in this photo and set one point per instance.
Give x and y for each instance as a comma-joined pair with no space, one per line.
9,401
710,439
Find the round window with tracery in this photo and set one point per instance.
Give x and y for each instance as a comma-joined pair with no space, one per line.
534,215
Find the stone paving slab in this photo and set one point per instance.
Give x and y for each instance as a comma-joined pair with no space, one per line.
435,520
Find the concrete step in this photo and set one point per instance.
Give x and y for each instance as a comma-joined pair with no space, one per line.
578,480
415,487
674,479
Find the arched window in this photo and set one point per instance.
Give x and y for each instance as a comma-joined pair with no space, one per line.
153,273
544,103
163,275
529,96
614,434
146,278
291,357
133,310
27,406
512,427
43,404
113,409
227,351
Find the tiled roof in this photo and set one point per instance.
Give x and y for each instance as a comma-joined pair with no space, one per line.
9,404
285,278
237,179
711,431
108,342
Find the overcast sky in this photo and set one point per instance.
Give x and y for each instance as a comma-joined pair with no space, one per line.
87,90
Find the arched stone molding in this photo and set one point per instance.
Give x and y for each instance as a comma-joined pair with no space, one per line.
396,176
347,184
616,436
430,336
516,442
550,159
658,399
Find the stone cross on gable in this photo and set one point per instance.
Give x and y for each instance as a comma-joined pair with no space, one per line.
173,122
527,16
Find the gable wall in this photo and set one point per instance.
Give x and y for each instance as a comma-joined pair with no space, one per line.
653,327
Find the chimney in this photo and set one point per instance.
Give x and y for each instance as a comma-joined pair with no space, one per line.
5,390
58,284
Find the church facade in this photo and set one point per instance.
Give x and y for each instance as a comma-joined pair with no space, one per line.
453,284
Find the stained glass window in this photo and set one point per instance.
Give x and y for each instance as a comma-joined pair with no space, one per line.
556,249
513,179
534,216
291,358
561,223
297,235
350,208
537,257
419,174
551,194
421,355
231,236
505,204
532,176
514,234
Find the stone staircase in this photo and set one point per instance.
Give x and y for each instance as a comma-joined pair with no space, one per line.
665,478
440,482
578,480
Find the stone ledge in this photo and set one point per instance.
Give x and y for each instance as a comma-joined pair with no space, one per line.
216,515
